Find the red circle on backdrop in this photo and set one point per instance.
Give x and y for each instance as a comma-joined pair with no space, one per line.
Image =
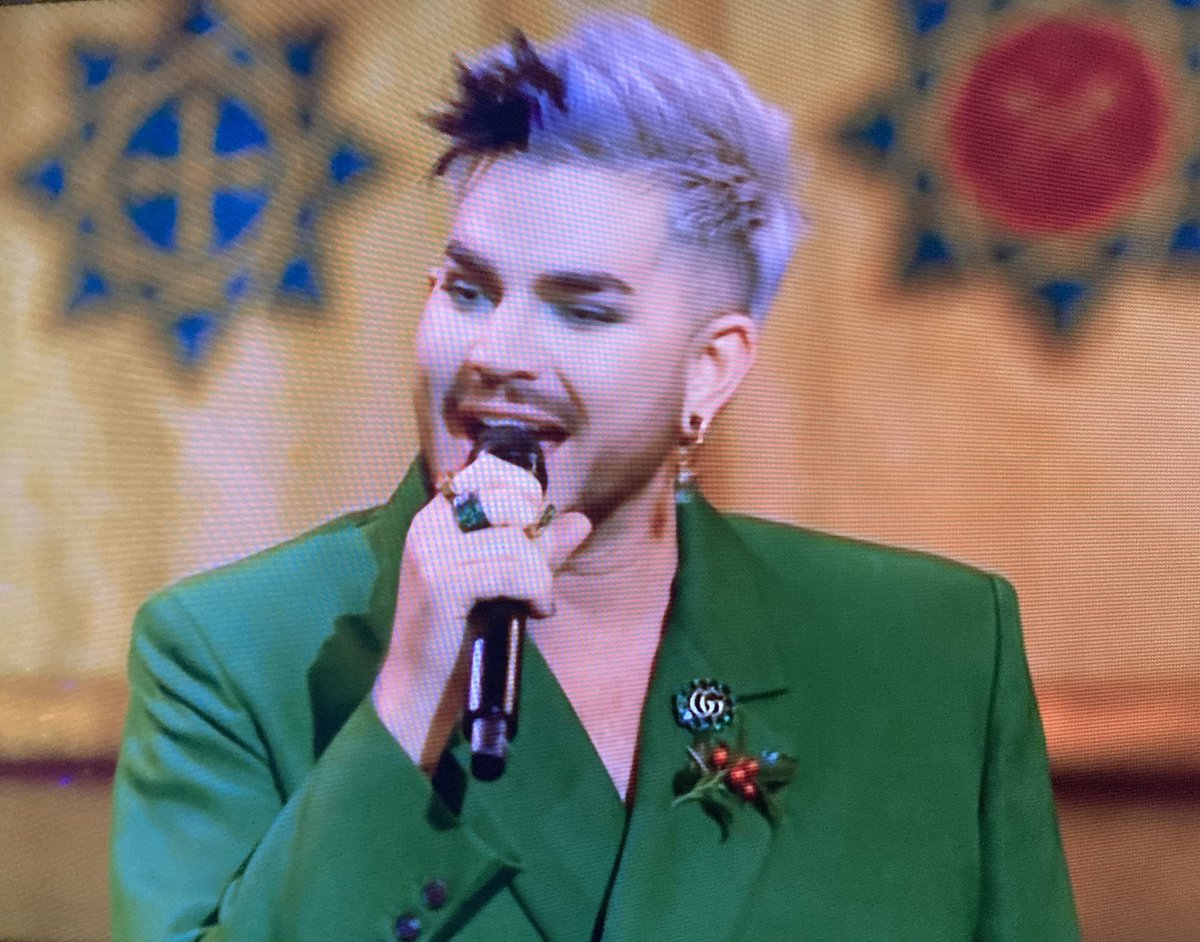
1059,126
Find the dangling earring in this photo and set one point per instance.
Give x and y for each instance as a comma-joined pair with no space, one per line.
685,476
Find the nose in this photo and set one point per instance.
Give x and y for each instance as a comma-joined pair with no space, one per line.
506,346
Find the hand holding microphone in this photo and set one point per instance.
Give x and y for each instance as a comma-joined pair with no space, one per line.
496,626
446,572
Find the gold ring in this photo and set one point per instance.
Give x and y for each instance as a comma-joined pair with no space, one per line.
534,530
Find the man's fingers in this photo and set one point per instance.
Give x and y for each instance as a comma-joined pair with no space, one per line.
498,560
564,535
487,473
506,507
507,563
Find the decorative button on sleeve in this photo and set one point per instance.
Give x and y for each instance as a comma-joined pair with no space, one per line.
435,893
408,928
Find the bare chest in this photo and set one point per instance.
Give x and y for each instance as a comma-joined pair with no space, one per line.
614,735
608,701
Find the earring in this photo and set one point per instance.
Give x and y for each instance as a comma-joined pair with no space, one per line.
685,476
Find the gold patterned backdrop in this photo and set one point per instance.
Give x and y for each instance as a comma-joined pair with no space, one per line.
944,417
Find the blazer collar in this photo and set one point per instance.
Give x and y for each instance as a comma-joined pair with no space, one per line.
721,603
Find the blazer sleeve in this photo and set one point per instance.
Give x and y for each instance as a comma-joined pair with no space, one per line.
1026,892
206,847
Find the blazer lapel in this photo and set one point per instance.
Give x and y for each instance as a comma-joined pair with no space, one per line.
555,807
345,667
679,877
554,814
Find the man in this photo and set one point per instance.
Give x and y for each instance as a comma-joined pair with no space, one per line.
292,766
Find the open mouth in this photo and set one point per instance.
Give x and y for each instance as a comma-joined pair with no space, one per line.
472,424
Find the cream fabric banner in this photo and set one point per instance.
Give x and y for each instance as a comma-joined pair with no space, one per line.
939,418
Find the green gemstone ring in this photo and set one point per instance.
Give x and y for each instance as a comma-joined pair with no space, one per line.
468,511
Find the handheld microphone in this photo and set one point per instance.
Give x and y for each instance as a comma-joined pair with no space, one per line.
497,630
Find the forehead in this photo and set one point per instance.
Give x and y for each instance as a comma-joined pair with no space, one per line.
527,217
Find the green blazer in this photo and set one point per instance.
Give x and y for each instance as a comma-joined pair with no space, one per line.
257,796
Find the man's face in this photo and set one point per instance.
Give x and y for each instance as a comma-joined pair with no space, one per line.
560,303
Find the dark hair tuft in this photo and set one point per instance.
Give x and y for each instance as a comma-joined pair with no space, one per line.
497,104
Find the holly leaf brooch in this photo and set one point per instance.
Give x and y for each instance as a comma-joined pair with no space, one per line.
722,773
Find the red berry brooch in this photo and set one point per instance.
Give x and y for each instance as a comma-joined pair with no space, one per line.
722,776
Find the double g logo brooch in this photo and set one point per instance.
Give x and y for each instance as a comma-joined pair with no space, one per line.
720,775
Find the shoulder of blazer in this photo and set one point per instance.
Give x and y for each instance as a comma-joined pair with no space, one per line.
789,551
838,595
279,602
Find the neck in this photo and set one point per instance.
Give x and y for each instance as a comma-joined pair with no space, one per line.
640,531
622,573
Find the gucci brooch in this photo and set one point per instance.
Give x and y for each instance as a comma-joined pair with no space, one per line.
721,775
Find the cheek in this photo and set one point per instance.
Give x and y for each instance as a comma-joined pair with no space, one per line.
636,392
441,344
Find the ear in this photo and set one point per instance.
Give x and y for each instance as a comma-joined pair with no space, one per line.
722,354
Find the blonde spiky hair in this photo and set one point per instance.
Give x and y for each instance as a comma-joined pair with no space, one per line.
620,92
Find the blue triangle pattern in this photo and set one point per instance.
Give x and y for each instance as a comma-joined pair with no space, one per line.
238,129
96,68
237,286
233,211
932,249
90,287
155,219
1186,240
928,15
300,280
302,55
1064,298
200,19
346,163
193,334
50,179
1117,248
158,135
879,135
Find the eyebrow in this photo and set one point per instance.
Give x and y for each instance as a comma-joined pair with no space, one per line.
570,282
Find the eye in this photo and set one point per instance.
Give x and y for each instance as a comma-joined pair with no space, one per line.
584,314
464,294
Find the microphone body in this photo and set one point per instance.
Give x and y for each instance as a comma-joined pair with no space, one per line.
493,693
496,628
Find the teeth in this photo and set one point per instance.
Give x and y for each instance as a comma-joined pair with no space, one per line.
551,433
492,422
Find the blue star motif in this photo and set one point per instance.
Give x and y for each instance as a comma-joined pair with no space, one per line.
187,188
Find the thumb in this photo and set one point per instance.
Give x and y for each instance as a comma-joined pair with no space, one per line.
563,537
